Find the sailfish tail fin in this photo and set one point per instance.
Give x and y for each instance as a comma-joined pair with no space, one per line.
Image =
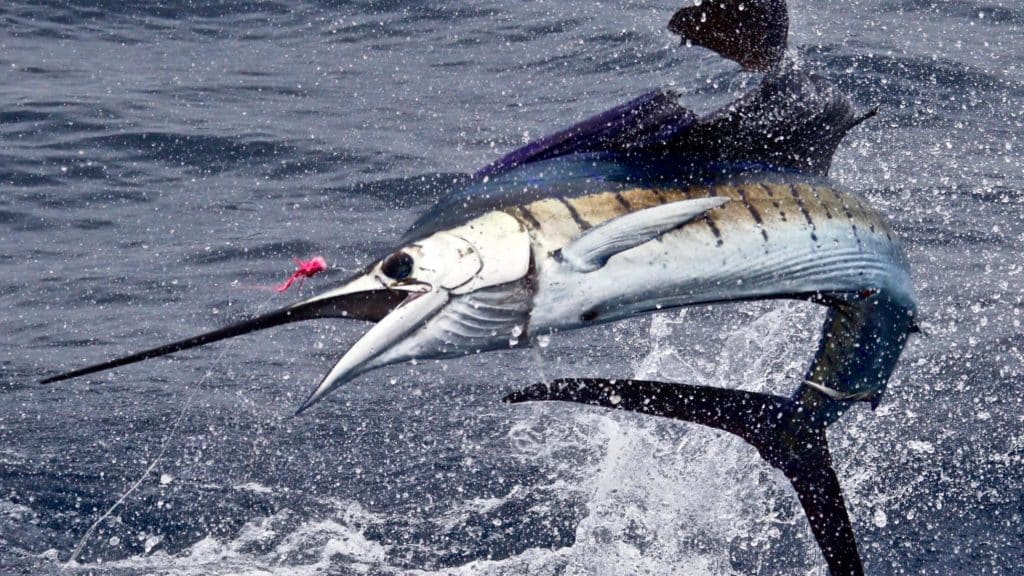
772,424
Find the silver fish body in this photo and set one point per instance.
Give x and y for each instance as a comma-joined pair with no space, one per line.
779,235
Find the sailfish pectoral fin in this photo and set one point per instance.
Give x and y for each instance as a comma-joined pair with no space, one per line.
593,249
769,423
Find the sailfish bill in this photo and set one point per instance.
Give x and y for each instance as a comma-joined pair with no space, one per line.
371,305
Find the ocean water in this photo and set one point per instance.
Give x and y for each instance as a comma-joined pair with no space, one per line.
161,163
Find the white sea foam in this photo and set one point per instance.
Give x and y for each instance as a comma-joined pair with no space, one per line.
255,487
670,498
334,544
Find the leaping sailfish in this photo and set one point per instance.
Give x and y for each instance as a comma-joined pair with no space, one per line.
648,207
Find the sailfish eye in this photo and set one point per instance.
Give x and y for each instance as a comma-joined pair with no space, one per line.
397,266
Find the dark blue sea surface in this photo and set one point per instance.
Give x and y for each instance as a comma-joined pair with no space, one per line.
161,163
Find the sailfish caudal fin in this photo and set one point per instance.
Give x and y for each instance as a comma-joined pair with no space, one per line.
771,424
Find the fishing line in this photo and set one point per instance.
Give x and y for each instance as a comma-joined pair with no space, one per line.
305,270
163,448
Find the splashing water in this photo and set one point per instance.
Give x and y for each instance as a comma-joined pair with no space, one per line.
670,498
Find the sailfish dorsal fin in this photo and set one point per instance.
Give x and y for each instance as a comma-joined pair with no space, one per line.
793,120
750,32
651,118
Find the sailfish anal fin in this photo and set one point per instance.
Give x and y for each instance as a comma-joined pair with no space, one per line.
593,249
770,423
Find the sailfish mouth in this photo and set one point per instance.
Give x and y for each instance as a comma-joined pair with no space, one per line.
374,349
361,298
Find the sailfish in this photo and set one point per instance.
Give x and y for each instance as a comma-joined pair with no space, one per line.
649,207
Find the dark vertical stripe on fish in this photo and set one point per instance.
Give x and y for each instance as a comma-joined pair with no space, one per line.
714,228
531,220
823,202
623,202
583,224
768,191
853,223
753,212
807,215
867,214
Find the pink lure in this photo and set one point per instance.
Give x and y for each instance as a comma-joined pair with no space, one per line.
305,269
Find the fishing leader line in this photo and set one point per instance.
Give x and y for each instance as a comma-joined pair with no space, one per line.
305,269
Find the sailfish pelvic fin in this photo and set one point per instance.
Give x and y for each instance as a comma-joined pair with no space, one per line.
772,424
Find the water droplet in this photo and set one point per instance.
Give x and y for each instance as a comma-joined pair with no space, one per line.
151,543
880,519
921,446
